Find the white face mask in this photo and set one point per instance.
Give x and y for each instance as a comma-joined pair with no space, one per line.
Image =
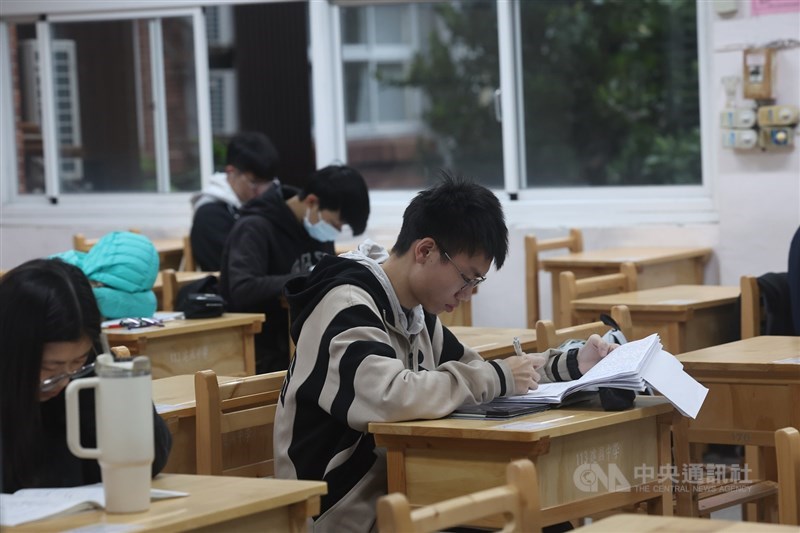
322,231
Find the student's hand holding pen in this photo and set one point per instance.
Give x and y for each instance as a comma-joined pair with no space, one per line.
524,366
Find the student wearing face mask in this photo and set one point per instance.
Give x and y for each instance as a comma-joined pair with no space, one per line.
283,234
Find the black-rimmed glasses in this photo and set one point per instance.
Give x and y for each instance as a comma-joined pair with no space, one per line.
51,383
468,282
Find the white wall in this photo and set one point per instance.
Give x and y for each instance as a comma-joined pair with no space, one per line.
757,196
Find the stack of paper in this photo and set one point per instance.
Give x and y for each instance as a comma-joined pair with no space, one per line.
632,366
27,505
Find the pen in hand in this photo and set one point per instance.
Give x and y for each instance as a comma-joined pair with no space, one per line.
517,347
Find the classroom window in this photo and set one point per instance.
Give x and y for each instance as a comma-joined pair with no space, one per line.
125,113
609,92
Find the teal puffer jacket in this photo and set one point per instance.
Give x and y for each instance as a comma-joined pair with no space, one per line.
123,267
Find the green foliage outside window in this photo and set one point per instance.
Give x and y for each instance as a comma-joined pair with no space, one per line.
611,91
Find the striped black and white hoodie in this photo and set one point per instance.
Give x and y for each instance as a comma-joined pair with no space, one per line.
362,358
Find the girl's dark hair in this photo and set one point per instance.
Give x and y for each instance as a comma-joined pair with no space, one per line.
41,301
460,215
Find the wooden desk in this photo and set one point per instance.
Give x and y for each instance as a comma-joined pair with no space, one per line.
170,252
687,317
495,343
215,503
656,267
643,523
751,394
175,401
223,344
432,460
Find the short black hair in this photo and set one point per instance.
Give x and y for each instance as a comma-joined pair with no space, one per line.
252,151
341,188
460,215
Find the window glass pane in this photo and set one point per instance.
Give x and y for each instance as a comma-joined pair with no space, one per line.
181,93
354,25
610,92
392,105
27,110
105,104
439,113
357,93
105,125
392,24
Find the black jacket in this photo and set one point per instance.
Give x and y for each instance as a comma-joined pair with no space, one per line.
266,248
210,228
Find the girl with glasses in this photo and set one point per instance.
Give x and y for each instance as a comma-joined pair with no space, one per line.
49,330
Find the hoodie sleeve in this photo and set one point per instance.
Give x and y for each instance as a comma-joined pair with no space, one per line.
345,351
249,252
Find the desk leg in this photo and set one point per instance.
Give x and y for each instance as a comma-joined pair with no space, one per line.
396,470
685,498
663,505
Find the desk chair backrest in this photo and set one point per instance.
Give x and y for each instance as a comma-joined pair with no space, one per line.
517,501
766,305
172,282
751,307
787,447
573,242
547,336
235,422
572,288
188,263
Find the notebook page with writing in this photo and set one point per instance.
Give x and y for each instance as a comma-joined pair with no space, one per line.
620,369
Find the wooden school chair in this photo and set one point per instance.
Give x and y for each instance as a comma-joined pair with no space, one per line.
235,422
573,242
517,501
572,288
172,282
188,263
787,446
751,307
547,336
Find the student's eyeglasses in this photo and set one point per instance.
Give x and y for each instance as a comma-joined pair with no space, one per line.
468,282
49,384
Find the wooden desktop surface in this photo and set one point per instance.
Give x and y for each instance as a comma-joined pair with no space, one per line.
432,460
495,343
215,503
687,317
224,344
754,389
170,252
643,523
175,401
656,267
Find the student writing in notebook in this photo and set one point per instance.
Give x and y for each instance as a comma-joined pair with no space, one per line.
369,347
50,329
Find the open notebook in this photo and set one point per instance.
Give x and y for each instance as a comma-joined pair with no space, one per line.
634,366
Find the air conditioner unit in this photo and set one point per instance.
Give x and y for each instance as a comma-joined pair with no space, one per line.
222,96
67,103
219,25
